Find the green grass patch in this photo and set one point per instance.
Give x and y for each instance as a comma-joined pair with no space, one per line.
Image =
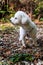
41,19
5,27
21,57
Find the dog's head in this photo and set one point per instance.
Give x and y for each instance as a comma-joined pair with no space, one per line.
19,18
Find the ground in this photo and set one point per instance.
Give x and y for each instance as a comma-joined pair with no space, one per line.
9,43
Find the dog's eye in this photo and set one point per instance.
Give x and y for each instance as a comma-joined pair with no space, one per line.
15,18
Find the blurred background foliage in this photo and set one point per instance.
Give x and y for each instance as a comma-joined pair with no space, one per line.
34,8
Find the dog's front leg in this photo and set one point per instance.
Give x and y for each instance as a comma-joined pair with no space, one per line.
22,36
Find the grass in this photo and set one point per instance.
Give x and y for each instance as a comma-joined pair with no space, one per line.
5,26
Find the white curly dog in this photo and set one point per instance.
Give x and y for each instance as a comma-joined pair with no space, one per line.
22,19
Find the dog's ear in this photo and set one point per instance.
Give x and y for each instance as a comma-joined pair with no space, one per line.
24,20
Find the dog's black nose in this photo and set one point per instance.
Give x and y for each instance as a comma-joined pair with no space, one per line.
15,17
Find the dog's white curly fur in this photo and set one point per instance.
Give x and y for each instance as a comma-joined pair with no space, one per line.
22,19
